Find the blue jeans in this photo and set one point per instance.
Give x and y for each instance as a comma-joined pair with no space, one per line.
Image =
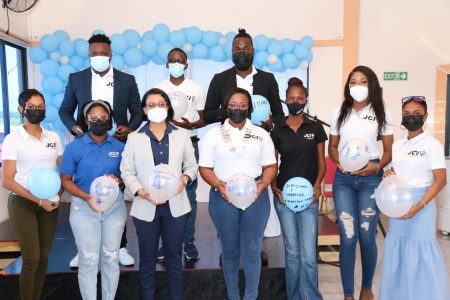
240,232
357,215
191,191
300,238
171,231
97,237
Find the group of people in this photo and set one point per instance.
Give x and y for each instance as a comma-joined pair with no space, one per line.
413,266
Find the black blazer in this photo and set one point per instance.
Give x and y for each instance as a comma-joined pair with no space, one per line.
126,97
264,84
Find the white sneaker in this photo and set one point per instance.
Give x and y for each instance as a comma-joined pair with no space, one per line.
125,258
74,262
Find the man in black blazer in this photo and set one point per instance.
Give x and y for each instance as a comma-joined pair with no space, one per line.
121,88
244,75
103,82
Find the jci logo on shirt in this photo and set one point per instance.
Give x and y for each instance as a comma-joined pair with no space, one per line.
417,153
113,154
252,136
370,118
309,136
51,145
111,84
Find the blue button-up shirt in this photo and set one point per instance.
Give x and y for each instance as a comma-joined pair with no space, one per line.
86,160
160,149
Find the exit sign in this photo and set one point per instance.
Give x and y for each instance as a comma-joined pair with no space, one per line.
395,75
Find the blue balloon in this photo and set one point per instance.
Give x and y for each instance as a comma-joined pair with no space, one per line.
48,98
211,38
260,59
56,56
159,60
51,113
76,62
82,49
49,68
132,37
149,47
230,36
118,43
52,85
67,48
164,49
217,54
301,52
177,38
307,41
145,59
227,49
287,45
64,72
49,43
161,32
261,109
98,31
200,51
193,35
310,56
274,47
118,62
260,42
86,63
113,130
290,61
57,100
37,54
277,67
147,35
133,57
61,36
298,194
44,183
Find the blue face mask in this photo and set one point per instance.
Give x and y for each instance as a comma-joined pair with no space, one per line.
176,70
100,63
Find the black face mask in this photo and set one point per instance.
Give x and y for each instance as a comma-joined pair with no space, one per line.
99,127
34,116
413,122
242,60
237,115
295,108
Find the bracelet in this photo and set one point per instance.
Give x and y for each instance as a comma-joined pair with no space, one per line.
423,204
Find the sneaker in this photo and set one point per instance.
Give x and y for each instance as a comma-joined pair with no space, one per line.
160,255
125,258
190,251
74,262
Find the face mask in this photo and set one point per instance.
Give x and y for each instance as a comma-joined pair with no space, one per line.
295,108
34,116
176,70
99,127
157,114
359,93
242,60
100,63
237,115
412,123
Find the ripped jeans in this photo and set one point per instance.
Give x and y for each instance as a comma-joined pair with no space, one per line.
98,238
357,215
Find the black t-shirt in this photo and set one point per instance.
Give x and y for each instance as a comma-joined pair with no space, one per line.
298,151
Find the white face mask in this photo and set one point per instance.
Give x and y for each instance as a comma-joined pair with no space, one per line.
157,114
359,93
99,63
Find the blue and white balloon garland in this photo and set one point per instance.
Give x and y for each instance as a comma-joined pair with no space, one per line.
58,56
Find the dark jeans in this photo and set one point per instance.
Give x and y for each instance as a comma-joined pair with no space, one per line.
191,191
171,230
34,229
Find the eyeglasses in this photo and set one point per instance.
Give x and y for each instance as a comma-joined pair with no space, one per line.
174,60
243,106
34,107
413,98
92,118
160,105
295,99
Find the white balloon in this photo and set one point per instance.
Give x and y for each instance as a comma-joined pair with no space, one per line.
163,182
105,192
180,104
393,197
272,59
354,154
241,190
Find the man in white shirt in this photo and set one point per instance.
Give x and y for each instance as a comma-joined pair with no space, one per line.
192,120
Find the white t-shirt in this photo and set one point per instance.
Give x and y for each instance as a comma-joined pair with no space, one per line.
196,96
414,160
231,151
247,82
31,153
103,87
362,124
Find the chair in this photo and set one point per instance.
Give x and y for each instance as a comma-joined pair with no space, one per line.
327,185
